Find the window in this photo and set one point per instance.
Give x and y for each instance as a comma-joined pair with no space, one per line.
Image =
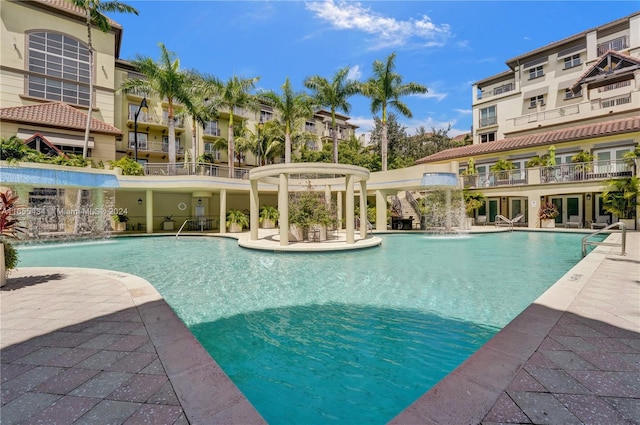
310,127
142,116
488,116
572,61
536,100
568,94
503,88
536,72
211,128
59,68
142,140
488,137
266,116
311,145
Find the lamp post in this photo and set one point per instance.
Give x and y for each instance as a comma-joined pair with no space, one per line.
260,125
143,104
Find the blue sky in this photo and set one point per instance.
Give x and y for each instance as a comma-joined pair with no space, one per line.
445,45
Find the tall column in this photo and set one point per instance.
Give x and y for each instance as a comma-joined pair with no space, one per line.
149,210
350,225
254,205
327,194
381,211
283,209
339,209
223,210
363,209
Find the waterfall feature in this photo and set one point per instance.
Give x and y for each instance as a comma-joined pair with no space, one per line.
442,204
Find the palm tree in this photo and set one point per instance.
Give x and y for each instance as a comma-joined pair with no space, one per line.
333,95
93,10
204,89
235,93
165,80
294,109
385,89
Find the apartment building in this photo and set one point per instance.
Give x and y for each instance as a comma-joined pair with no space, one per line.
577,95
45,94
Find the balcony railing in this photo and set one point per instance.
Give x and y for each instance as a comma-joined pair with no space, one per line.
144,118
211,132
154,146
547,115
610,102
615,44
484,122
496,91
194,169
498,178
583,171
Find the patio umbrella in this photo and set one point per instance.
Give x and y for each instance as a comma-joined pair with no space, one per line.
552,155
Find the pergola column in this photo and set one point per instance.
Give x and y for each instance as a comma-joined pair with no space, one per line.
339,209
149,210
381,211
350,204
283,208
363,209
254,204
223,210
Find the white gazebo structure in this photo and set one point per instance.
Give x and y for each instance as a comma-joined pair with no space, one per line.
334,177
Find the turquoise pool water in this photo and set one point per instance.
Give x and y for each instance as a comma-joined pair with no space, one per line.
348,337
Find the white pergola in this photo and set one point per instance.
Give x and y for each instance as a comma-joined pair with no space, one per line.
334,177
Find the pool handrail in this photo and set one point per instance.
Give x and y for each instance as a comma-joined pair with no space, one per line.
622,244
182,227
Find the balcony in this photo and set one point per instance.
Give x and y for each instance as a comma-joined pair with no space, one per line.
496,91
194,169
154,121
213,132
586,171
616,44
499,178
610,102
146,146
486,122
547,115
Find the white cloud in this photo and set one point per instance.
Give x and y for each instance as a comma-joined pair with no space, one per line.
354,73
385,31
464,111
432,94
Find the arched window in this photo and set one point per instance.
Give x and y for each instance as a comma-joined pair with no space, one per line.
58,68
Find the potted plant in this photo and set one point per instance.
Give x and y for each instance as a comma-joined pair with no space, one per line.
10,228
168,222
236,220
583,161
621,197
548,213
269,216
120,221
472,201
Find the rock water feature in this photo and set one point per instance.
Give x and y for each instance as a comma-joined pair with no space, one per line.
441,204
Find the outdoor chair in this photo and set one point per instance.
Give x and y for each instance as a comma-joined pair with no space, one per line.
601,222
481,219
574,221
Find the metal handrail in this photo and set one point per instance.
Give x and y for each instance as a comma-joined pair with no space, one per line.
182,227
506,220
414,204
622,244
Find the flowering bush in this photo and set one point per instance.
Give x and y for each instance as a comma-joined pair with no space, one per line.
548,211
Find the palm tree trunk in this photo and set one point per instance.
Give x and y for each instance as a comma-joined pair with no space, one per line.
383,143
287,148
172,142
90,109
230,154
335,144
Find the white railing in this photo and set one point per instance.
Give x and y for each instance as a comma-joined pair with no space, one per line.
154,146
498,178
583,171
194,169
547,115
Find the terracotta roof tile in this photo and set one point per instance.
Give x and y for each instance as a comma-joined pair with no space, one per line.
619,126
55,114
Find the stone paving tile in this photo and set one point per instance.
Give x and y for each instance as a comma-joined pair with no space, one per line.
612,361
523,381
26,406
100,341
574,343
72,357
43,356
627,407
102,384
133,362
11,370
613,384
182,420
108,412
505,410
154,368
541,407
165,395
67,381
64,411
7,396
139,388
154,414
102,360
71,339
591,409
129,343
31,378
568,360
557,381
612,345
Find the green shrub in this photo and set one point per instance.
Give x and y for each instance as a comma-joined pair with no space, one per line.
10,255
129,166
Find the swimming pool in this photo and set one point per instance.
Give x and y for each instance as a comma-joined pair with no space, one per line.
348,337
